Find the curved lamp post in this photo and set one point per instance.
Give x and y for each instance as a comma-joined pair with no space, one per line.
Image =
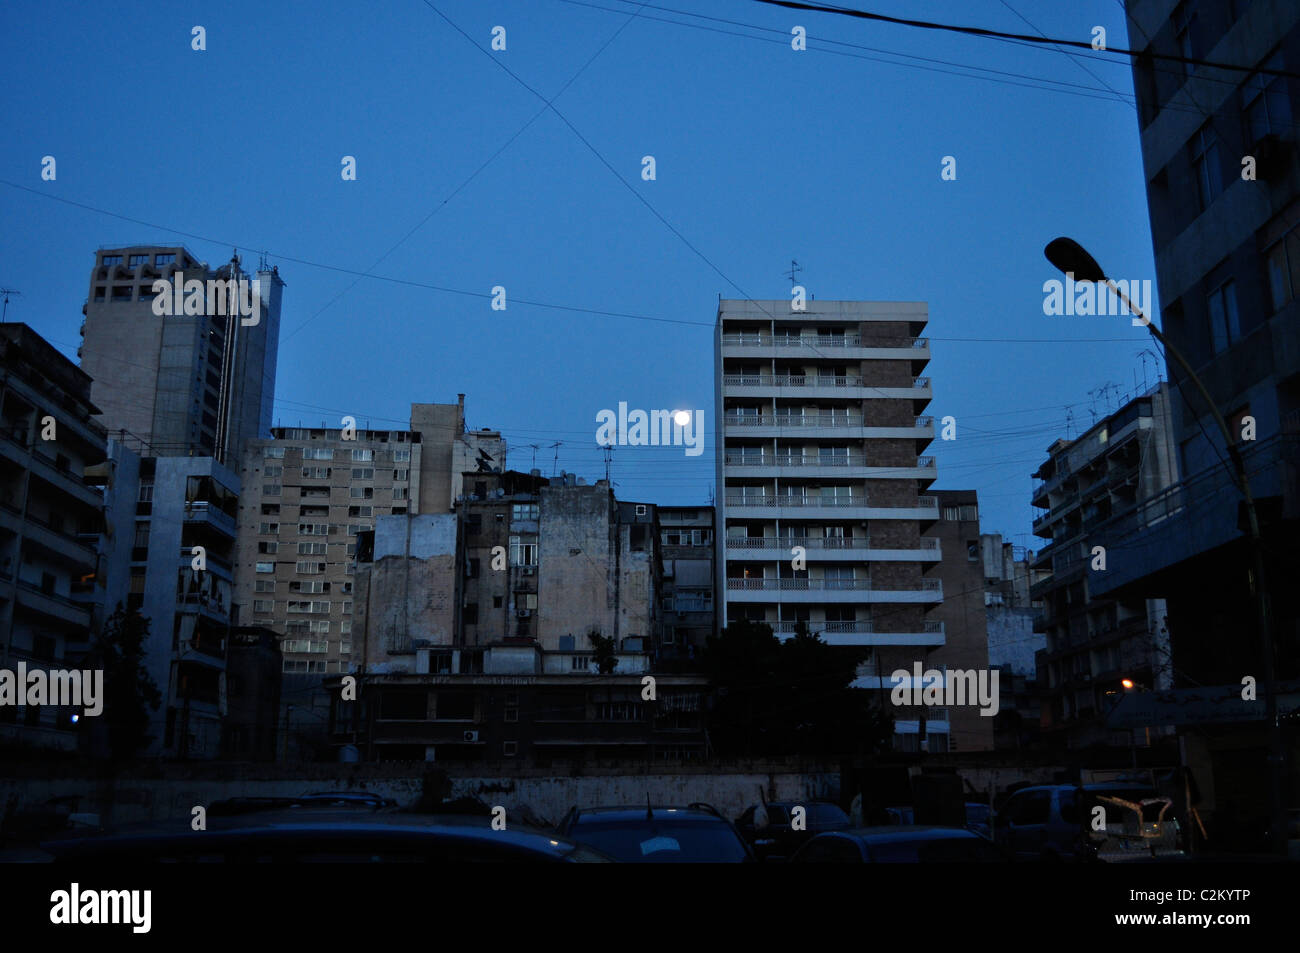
1073,259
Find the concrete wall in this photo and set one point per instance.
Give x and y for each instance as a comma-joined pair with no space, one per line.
547,796
1012,639
409,593
575,589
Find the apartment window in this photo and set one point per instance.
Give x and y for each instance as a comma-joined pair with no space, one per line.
400,493
167,259
313,549
266,567
141,535
273,453
619,711
313,529
1206,165
345,648
523,511
1265,105
273,471
271,489
316,473
266,529
496,602
146,491
973,550
112,260
345,628
318,453
296,605
264,585
268,547
1283,257
363,473
347,608
470,614
401,456
1225,325
355,528
361,492
360,511
309,586
401,474
100,292
308,566
522,553
510,748
264,606
1186,34
970,513
363,456
270,509
472,569
137,260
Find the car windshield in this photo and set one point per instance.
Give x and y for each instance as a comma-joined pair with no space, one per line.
977,814
943,850
660,842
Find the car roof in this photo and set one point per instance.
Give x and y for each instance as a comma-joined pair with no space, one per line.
321,824
904,832
1098,786
623,813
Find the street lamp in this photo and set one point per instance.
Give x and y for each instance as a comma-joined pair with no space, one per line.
1073,259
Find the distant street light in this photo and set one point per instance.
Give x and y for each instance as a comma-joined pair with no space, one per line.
1073,259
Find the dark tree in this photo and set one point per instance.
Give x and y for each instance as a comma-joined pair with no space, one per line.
129,692
603,650
788,698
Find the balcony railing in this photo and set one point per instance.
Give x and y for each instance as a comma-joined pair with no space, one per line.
815,460
810,420
817,341
822,585
813,380
922,502
840,628
817,542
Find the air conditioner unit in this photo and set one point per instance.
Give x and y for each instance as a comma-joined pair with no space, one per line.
528,570
471,736
524,613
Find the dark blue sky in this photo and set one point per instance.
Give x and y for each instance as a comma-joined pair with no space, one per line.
829,156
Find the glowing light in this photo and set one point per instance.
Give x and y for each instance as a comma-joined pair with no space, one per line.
681,418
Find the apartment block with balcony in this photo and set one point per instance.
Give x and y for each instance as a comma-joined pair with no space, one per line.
169,551
687,545
50,521
180,384
822,436
1093,642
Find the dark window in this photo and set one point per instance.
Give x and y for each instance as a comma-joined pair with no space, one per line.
456,706
496,602
1225,325
470,616
407,705
472,569
1207,166
973,549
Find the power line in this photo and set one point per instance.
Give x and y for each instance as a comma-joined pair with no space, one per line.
1019,37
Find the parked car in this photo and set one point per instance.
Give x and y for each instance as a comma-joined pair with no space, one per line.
315,800
1054,822
979,818
899,844
347,836
657,834
900,815
778,839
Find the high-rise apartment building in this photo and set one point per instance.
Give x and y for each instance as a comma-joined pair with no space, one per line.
195,380
309,492
820,474
50,521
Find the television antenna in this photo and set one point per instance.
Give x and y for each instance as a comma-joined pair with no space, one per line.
555,464
794,269
7,292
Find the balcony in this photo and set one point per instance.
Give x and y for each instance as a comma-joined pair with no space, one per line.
52,605
63,546
854,466
863,632
822,385
219,566
832,549
849,346
203,513
771,506
771,589
824,425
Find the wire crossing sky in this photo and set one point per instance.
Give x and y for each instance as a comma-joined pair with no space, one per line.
522,168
